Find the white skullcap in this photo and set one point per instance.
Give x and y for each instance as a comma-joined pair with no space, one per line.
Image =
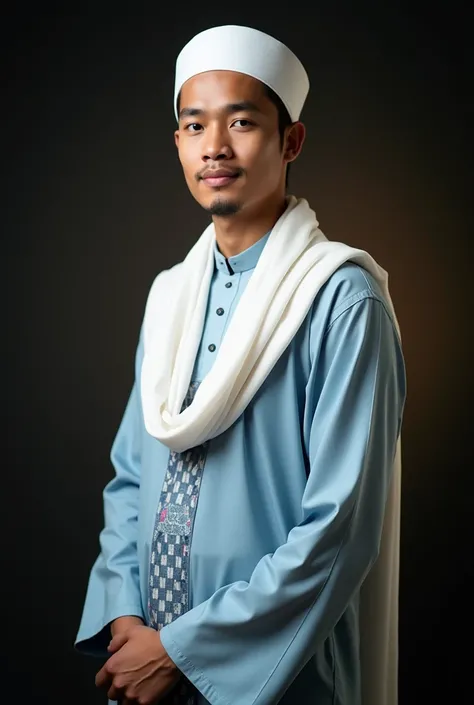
249,51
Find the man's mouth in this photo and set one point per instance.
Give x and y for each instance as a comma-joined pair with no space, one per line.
220,177
215,181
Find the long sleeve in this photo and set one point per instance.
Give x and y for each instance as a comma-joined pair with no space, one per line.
113,588
247,643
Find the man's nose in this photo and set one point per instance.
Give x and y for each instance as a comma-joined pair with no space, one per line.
216,145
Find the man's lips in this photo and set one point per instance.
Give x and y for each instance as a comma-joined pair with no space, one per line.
220,177
219,180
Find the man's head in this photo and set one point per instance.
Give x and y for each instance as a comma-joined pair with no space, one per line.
238,97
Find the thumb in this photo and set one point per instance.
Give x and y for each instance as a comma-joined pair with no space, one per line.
117,642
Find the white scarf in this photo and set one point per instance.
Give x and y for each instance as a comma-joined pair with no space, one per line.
295,263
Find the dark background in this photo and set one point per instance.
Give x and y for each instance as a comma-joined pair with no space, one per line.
96,205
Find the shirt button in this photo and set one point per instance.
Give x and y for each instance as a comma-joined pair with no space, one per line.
220,311
228,285
211,347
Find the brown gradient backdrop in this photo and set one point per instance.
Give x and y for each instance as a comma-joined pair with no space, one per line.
96,205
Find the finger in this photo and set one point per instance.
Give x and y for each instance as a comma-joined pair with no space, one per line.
115,693
103,677
117,642
117,688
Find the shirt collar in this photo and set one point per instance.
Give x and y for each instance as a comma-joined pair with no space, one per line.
244,260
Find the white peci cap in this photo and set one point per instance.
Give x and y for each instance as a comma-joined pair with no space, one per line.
249,51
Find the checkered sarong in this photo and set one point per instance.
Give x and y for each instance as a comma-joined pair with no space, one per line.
168,593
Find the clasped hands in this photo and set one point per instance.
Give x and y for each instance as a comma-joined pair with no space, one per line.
139,671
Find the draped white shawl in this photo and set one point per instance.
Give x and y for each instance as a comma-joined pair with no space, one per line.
296,261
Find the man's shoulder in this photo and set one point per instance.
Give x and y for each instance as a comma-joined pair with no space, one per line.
161,294
166,276
164,283
349,284
347,281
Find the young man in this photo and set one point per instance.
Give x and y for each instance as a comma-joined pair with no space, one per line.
250,548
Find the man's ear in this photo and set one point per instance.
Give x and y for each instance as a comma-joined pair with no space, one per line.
176,138
294,141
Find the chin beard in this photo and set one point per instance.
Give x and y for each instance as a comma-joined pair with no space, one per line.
224,208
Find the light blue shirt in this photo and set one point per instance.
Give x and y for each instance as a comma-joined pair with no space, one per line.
224,294
290,510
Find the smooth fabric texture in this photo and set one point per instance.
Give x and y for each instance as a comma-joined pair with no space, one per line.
249,51
319,434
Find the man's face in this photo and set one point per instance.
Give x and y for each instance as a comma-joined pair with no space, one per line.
229,143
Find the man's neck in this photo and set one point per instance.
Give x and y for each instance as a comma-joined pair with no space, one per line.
237,233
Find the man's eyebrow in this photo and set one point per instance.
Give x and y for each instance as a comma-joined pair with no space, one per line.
242,106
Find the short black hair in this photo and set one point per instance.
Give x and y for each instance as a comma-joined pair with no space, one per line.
284,119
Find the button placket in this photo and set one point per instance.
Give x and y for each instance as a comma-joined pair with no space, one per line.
227,295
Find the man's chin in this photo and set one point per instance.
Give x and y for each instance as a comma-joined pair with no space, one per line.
223,207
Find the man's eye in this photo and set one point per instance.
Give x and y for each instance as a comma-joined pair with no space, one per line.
243,123
193,127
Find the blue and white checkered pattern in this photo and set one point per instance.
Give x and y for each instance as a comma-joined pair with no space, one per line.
169,563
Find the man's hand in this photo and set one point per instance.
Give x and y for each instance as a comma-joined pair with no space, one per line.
140,670
122,624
